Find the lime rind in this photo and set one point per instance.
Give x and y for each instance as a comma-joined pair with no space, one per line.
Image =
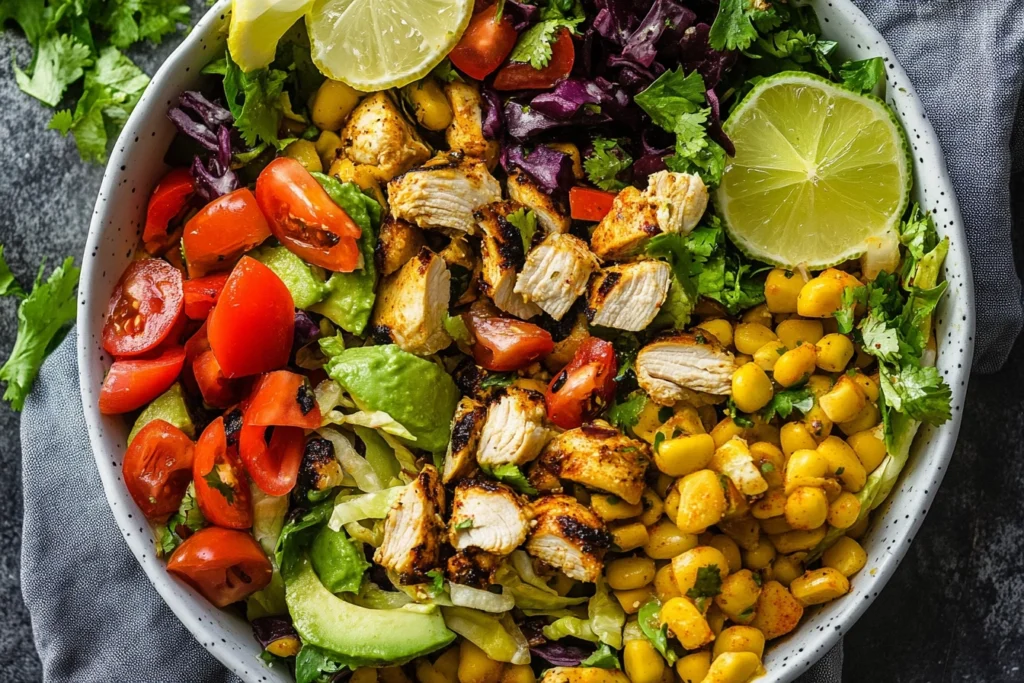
863,195
257,26
375,45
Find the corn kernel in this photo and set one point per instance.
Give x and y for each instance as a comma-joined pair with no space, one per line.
612,508
844,401
781,289
773,504
867,418
770,461
758,314
739,639
843,463
666,541
632,600
729,549
447,665
686,623
332,104
726,430
818,423
627,573
642,662
869,447
819,585
653,507
795,366
796,437
749,337
769,354
777,611
693,668
834,352
846,556
739,595
805,468
794,332
684,454
868,385
751,388
518,673
760,557
367,675
475,666
685,567
720,329
630,536
702,501
305,153
844,511
820,298
328,147
429,104
798,540
785,568
744,530
806,508
774,526
733,667
665,583
860,528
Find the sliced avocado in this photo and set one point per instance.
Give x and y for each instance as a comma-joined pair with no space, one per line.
298,277
338,563
169,407
380,637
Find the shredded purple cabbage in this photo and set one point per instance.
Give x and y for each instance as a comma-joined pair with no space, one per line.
715,124
567,97
615,20
211,113
563,653
664,16
306,330
522,15
213,177
490,114
696,53
550,168
652,159
268,629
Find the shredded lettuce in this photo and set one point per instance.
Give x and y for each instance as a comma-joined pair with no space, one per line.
498,637
531,596
268,513
373,419
353,463
574,627
380,456
485,601
348,509
606,615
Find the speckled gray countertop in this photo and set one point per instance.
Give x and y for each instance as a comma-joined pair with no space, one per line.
951,613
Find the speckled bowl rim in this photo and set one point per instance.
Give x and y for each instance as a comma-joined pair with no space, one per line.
114,232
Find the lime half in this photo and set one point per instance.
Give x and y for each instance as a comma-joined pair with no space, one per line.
819,172
257,27
378,44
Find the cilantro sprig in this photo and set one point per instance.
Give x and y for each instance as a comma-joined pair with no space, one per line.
605,163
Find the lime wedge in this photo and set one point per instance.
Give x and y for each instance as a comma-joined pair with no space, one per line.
257,26
819,173
378,44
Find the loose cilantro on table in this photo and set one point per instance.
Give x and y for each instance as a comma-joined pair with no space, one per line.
606,163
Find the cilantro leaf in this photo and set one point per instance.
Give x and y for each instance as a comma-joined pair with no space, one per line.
215,481
456,328
919,236
864,75
445,72
59,61
130,21
464,524
672,95
785,401
918,391
497,379
848,303
42,316
734,26
436,582
649,619
880,340
254,99
513,476
708,583
605,163
526,221
603,657
534,45
8,284
696,153
626,413
187,519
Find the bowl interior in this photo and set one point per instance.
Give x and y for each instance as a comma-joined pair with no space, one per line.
137,163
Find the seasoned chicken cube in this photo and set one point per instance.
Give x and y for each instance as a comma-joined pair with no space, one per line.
556,273
472,567
569,537
444,193
501,253
514,431
397,243
412,303
460,461
377,134
734,460
551,215
597,456
488,516
628,296
413,529
670,369
465,134
672,203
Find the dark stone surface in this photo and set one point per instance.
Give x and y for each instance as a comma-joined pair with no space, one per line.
951,613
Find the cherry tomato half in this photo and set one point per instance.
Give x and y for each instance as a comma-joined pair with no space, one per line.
222,231
305,218
222,490
225,565
485,44
217,390
584,387
522,76
131,384
201,294
507,343
273,465
157,468
169,198
283,399
143,308
588,204
250,329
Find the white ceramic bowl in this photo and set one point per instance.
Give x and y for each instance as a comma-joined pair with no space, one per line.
136,165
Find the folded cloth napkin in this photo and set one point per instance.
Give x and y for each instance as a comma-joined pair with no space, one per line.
96,617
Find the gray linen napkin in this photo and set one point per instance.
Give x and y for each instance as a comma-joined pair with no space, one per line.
96,617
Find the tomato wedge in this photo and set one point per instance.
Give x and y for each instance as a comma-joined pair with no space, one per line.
485,44
169,198
157,468
224,565
217,390
222,231
584,387
522,76
131,384
588,204
250,329
305,218
507,343
274,464
222,491
283,399
201,294
143,308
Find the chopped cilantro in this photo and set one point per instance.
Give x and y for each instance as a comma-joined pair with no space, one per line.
603,658
436,586
767,468
213,478
740,418
863,76
464,524
839,471
513,476
254,99
624,414
526,222
606,163
498,380
534,45
734,26
784,402
649,619
659,438
708,583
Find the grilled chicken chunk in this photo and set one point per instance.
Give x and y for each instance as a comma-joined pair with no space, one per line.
734,460
671,368
569,537
397,243
550,214
444,193
501,252
413,529
514,432
628,296
411,305
377,134
472,567
556,273
488,516
460,461
672,203
597,456
465,134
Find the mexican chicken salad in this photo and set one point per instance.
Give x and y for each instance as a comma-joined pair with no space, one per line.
488,342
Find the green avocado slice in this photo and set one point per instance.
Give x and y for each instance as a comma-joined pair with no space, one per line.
305,287
169,407
378,637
